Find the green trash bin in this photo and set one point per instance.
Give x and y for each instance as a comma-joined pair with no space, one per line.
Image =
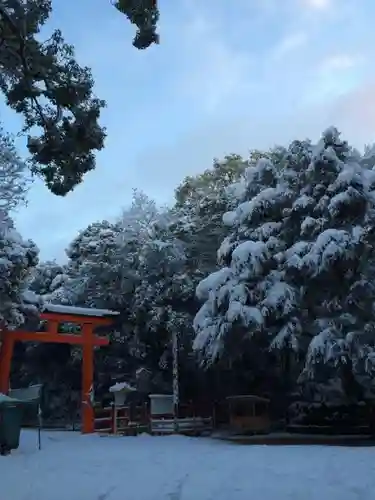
11,412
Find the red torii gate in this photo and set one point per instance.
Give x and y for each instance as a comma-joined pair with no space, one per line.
54,315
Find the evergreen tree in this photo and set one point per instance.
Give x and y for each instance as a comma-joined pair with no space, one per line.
17,256
42,81
94,267
201,202
298,264
46,278
17,259
163,302
145,15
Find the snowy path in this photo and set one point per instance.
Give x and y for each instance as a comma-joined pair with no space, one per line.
75,467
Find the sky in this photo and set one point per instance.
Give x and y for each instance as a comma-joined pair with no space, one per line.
227,77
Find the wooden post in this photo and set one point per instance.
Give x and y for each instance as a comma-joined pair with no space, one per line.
6,352
115,412
88,417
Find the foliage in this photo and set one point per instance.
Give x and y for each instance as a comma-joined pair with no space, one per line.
95,277
14,180
136,266
46,277
145,15
43,82
286,300
163,301
302,224
17,256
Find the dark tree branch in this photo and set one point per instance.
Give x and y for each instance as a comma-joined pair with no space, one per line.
42,81
145,15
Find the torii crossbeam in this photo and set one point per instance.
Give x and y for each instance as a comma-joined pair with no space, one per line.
54,315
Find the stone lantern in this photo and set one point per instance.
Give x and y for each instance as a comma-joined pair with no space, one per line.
120,391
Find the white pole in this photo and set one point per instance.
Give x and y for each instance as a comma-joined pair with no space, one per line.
39,427
176,392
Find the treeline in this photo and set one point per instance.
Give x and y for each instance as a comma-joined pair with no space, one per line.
264,266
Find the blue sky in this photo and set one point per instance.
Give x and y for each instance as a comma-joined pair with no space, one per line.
228,76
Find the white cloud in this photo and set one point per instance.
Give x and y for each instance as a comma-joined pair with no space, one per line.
318,4
356,113
353,113
334,76
212,71
341,62
289,44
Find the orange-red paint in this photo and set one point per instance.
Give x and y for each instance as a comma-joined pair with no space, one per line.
87,338
6,353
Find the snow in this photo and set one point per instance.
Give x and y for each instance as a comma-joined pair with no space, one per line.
308,224
6,399
246,210
303,201
121,386
266,230
213,283
78,311
340,200
249,258
244,314
237,190
76,467
31,297
324,347
288,336
229,218
282,295
331,245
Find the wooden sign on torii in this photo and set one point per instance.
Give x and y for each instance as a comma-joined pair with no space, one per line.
54,315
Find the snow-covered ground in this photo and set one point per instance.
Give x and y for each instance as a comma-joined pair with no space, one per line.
75,467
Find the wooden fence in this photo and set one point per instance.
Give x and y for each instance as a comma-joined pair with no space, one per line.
127,420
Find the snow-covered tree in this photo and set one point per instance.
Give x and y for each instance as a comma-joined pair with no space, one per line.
103,258
41,80
137,266
164,296
14,178
46,278
17,256
298,264
94,267
201,202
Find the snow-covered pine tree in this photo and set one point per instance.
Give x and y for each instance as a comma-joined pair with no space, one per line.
299,262
93,267
201,202
164,296
335,269
236,295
